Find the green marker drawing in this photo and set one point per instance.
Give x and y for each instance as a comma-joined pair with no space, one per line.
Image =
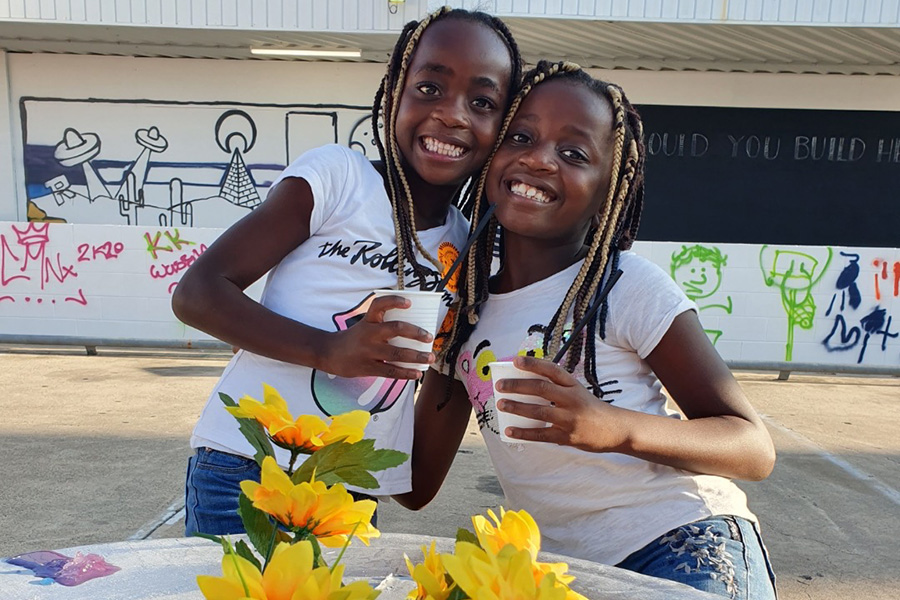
795,274
698,271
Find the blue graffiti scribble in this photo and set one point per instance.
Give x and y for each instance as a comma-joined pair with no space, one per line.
848,337
846,283
874,324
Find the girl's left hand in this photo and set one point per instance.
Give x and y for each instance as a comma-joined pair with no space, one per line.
576,416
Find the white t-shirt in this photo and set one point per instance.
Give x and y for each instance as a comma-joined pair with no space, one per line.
327,283
596,506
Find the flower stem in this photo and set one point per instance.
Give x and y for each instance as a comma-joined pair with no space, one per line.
290,469
344,547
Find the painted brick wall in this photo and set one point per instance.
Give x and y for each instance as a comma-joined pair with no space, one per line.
758,303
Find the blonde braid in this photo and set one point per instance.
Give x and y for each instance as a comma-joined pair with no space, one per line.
395,153
390,101
602,238
624,190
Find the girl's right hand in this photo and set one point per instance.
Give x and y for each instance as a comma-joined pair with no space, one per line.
363,349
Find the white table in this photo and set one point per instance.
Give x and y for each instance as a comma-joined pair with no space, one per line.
167,569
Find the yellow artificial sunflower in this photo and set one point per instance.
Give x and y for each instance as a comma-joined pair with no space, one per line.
289,574
430,577
516,528
306,433
507,575
330,514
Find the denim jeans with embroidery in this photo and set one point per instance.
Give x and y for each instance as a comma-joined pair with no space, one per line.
212,487
723,555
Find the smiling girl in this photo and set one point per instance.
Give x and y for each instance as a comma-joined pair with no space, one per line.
316,335
617,477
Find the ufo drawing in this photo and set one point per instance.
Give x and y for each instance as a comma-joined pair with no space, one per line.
76,148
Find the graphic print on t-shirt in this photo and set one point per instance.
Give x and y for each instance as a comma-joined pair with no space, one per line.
475,366
335,395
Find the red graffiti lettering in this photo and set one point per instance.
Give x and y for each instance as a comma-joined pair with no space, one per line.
106,250
6,252
173,268
80,299
60,273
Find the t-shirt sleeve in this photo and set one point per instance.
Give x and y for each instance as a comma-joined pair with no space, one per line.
330,174
642,305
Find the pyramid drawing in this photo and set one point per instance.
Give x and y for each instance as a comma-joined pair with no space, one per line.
238,186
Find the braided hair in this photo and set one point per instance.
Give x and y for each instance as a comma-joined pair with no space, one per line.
619,218
387,100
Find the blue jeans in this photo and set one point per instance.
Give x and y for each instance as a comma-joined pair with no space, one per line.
723,555
212,488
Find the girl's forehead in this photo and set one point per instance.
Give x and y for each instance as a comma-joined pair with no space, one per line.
560,96
454,38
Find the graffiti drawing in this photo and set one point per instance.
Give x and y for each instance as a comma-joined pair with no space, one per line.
168,163
28,260
877,322
795,274
882,274
846,285
698,271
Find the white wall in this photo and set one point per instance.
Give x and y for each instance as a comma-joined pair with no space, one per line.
802,304
97,281
758,303
100,278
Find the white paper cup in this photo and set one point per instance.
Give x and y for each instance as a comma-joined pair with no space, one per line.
422,312
507,370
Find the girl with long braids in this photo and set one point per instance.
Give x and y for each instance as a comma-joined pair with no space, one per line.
333,228
616,477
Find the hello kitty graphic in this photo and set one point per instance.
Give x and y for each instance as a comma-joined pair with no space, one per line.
475,367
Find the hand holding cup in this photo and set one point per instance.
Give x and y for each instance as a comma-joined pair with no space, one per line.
380,344
565,411
422,311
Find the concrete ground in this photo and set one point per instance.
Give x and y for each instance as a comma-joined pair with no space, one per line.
94,450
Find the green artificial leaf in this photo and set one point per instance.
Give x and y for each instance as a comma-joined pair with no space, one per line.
348,463
318,559
464,535
457,593
253,431
257,525
208,536
243,550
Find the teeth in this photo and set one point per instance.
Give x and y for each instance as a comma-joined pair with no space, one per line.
438,147
528,191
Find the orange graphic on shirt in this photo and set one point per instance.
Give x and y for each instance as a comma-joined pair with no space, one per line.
444,332
447,253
